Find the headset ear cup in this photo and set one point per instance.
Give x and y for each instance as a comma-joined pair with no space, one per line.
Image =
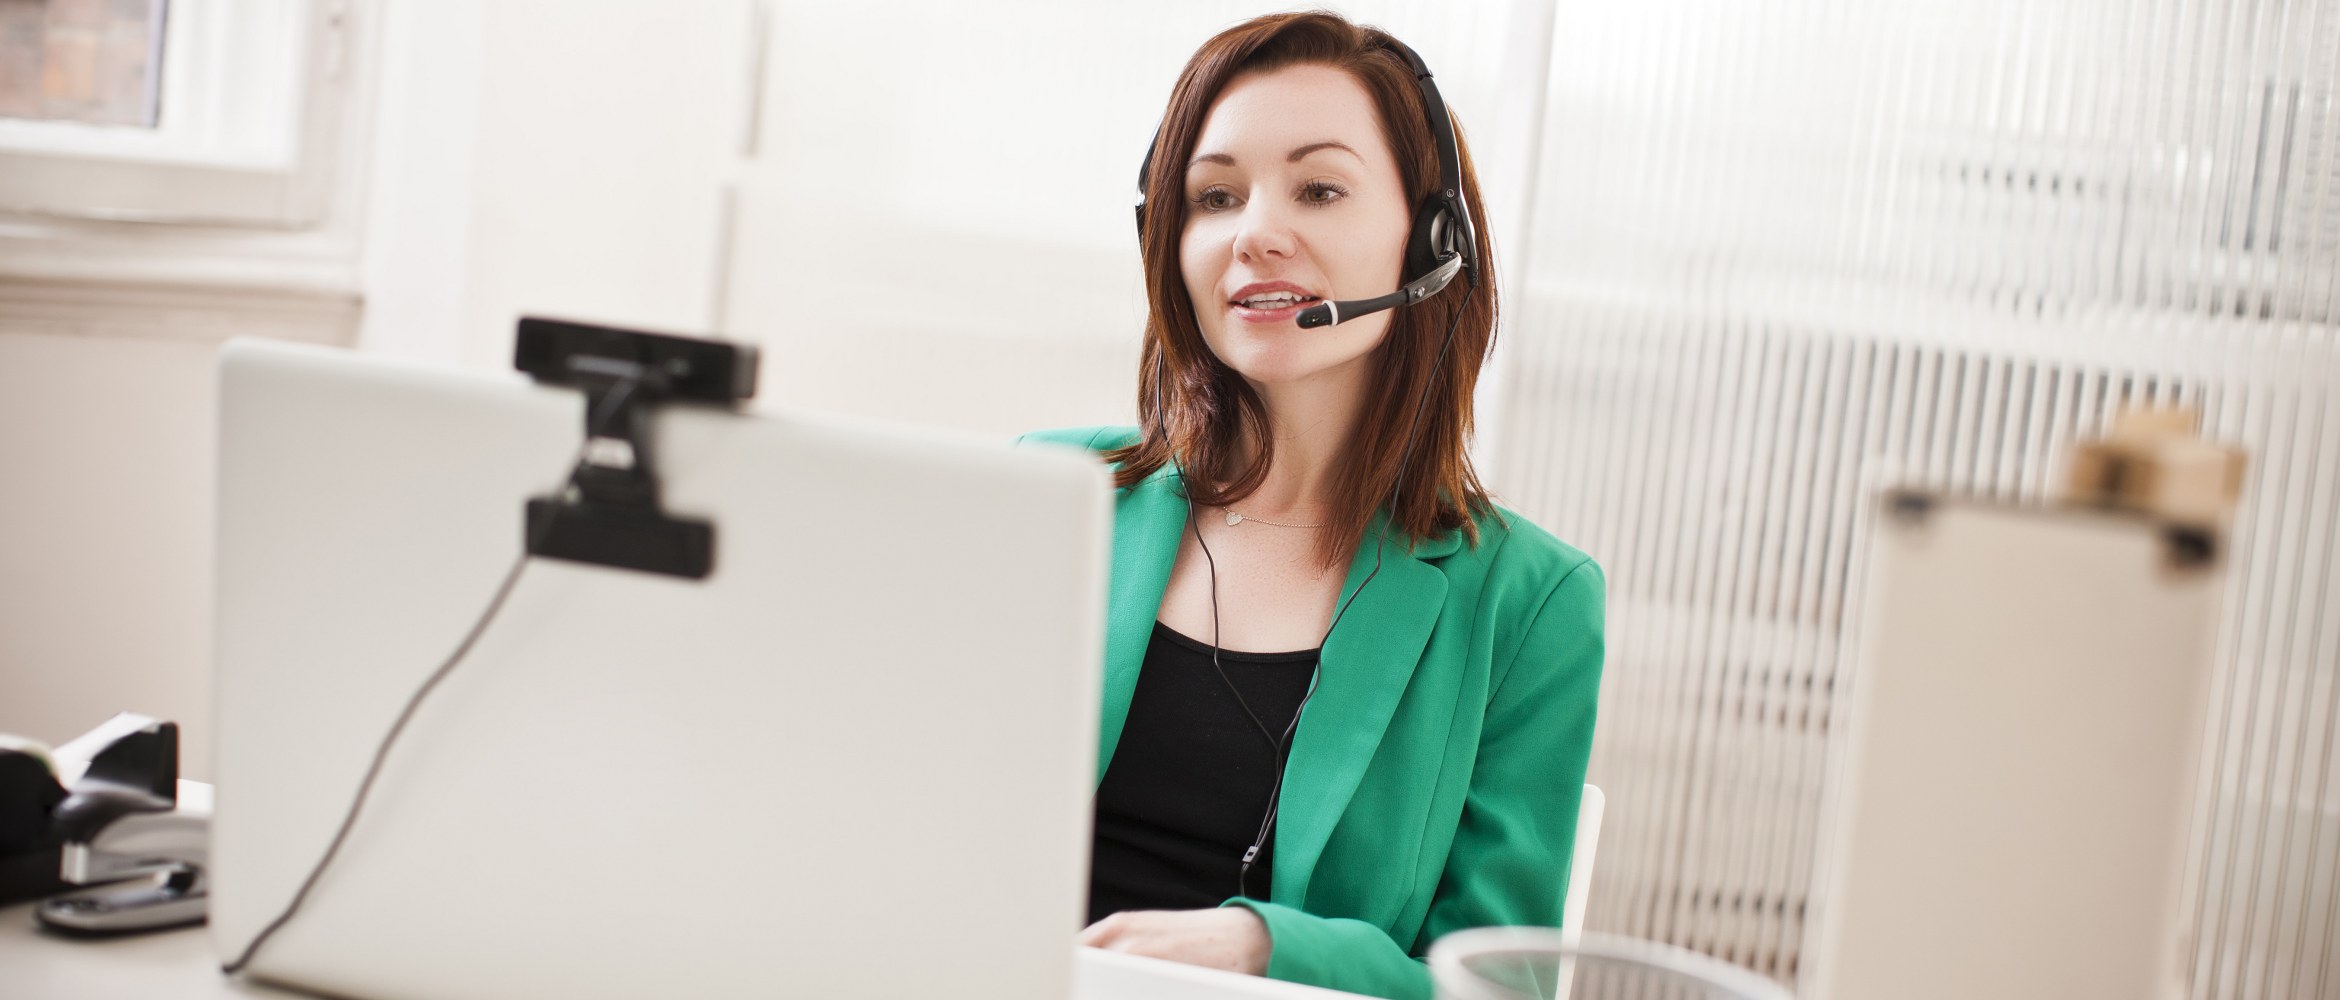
1431,238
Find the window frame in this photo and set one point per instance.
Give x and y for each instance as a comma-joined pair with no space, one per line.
254,99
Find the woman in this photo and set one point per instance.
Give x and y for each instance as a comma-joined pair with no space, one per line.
1298,527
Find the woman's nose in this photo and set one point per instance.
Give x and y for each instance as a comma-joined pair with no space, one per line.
1264,231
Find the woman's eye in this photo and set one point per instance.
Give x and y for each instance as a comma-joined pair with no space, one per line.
1321,193
1215,199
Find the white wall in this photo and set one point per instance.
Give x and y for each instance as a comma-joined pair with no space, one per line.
105,533
937,227
927,218
549,157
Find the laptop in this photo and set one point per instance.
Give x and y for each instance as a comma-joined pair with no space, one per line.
855,760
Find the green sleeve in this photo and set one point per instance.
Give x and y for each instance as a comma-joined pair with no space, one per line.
1338,953
1509,862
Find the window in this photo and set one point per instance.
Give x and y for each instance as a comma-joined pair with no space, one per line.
223,111
88,61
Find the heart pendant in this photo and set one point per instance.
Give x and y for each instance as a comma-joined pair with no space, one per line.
1234,519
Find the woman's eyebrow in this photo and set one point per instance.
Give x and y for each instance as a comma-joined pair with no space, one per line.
1295,156
1302,152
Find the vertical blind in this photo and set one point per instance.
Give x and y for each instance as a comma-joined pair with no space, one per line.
1780,254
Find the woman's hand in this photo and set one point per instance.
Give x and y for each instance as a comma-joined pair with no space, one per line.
1230,937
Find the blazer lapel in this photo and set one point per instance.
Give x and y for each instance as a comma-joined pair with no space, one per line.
1146,525
1367,663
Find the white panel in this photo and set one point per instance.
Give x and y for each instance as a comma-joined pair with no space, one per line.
2015,794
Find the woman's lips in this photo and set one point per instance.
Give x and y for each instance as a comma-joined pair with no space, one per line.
1277,315
1248,306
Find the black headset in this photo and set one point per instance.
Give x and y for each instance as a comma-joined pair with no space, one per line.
1444,242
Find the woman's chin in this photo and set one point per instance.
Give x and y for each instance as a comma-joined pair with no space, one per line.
1288,369
1289,356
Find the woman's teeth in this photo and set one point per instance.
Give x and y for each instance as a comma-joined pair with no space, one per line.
1279,300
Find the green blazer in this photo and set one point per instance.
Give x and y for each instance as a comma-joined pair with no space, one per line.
1434,779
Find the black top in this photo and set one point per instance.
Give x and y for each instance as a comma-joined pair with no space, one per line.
1190,778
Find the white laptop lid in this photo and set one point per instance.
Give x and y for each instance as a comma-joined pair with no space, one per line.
855,761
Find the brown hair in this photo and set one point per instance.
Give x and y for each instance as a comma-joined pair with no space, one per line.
1205,405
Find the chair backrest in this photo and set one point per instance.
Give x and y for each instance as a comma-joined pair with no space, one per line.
1580,869
1580,863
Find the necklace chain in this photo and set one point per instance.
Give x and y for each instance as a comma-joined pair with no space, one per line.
1234,519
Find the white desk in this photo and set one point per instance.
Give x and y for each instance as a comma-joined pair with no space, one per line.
43,966
179,964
